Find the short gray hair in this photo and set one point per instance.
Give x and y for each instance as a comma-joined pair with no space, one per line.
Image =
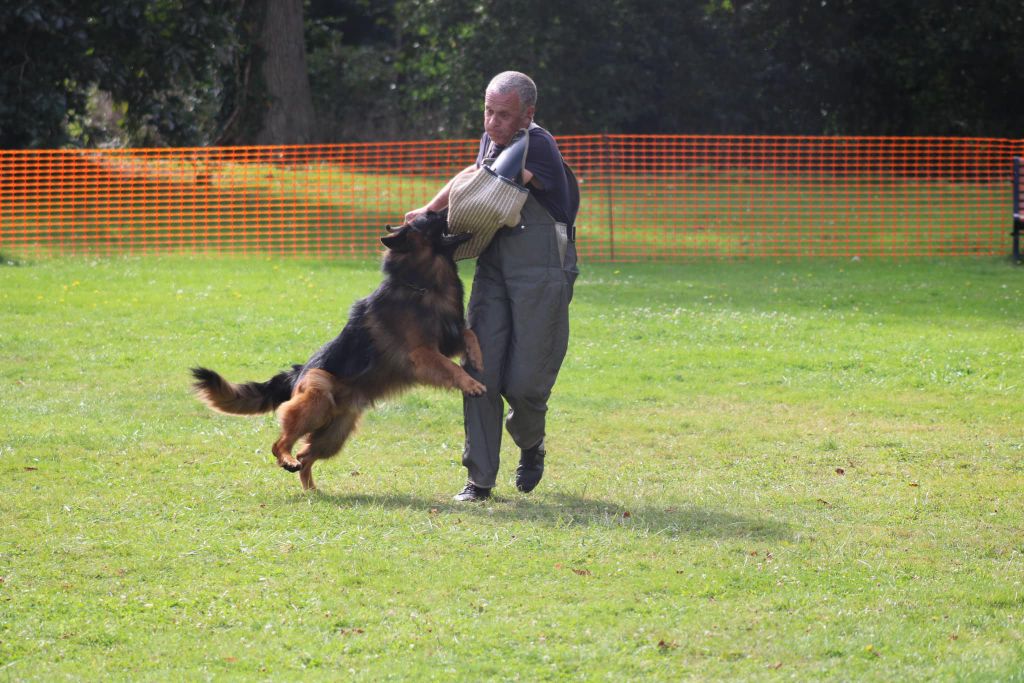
512,81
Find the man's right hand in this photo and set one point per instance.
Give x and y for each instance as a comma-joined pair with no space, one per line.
441,200
415,213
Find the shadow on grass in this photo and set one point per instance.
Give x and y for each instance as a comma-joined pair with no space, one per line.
8,260
567,510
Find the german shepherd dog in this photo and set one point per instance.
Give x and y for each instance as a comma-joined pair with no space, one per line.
403,334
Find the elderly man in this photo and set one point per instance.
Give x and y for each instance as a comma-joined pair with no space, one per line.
519,305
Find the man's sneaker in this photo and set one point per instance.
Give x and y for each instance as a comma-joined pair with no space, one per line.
531,467
472,493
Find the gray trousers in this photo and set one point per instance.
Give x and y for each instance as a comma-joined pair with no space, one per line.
519,310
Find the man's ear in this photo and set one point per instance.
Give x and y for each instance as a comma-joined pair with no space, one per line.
398,240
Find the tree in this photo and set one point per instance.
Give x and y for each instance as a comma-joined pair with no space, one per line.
352,47
178,71
158,58
272,101
187,72
933,67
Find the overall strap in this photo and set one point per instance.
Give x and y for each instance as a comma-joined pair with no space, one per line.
574,199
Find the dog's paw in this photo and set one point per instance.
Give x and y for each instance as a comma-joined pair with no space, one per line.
290,464
473,388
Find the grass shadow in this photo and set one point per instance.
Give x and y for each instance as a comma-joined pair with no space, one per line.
561,509
11,261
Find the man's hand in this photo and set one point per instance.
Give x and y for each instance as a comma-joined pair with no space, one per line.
415,213
440,202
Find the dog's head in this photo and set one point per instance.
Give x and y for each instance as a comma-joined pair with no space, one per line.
426,234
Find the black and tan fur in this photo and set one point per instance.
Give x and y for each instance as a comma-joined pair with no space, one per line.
404,333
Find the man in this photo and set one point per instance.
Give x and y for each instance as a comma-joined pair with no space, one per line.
519,305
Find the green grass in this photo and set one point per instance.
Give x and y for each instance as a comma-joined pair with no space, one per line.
757,471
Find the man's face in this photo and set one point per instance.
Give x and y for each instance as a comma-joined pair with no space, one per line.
503,116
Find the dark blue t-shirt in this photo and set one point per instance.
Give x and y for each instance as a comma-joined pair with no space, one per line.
544,161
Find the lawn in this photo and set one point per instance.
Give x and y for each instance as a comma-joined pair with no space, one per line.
757,470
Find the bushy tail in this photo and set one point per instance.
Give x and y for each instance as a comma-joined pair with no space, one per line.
249,398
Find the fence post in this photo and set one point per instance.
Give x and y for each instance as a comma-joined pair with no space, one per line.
609,167
1018,219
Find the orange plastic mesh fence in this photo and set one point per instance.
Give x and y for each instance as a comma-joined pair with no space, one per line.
663,197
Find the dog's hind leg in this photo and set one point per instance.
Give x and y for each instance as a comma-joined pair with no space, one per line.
325,442
307,411
306,474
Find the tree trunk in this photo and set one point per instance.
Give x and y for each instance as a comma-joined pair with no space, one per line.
273,104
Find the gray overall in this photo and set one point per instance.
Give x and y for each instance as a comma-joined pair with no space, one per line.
519,310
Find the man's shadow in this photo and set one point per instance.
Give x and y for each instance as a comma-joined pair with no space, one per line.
568,510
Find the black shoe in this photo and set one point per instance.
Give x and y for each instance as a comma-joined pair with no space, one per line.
472,493
531,468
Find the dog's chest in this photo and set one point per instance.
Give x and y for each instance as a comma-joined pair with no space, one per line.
440,321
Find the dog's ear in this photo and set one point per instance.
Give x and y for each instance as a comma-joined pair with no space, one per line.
398,240
452,241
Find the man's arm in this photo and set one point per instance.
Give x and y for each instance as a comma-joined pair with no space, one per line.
440,200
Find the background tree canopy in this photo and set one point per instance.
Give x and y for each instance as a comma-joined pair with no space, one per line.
196,72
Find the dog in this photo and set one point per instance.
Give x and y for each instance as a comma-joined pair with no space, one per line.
405,333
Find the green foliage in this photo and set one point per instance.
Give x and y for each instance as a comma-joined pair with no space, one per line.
802,470
161,60
412,69
879,68
351,55
652,67
46,52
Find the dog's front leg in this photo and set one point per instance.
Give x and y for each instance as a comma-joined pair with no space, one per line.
433,368
473,352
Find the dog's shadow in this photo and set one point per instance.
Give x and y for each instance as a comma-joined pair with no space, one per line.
560,509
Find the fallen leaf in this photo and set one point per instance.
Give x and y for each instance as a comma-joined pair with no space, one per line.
626,515
664,645
582,572
840,471
434,511
914,484
776,666
354,473
824,502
